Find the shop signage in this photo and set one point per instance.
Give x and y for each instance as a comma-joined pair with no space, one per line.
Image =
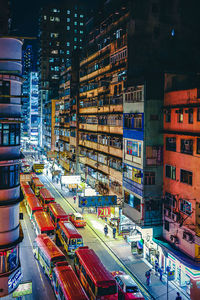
73,179
170,275
14,280
97,201
72,186
51,154
23,289
104,212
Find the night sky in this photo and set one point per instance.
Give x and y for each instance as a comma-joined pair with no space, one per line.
25,14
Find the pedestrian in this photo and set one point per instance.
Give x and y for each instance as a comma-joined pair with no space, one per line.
148,275
114,232
161,270
156,267
106,230
178,297
167,269
74,199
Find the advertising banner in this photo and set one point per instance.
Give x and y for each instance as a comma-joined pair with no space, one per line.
104,212
73,179
97,201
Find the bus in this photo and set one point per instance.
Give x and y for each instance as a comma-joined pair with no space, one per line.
66,284
32,205
56,213
45,197
36,186
38,168
47,253
95,278
43,224
68,236
24,184
27,191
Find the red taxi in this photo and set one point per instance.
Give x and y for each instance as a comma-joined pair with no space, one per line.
127,287
77,219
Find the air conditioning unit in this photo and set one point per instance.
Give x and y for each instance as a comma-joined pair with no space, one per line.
174,239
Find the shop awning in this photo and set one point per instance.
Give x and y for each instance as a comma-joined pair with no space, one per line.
180,256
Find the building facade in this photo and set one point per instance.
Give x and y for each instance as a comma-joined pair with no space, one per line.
10,114
33,108
61,30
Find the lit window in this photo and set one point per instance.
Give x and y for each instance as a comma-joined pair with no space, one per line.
68,43
75,39
68,27
81,24
75,30
51,59
81,16
53,34
68,12
81,31
67,51
54,51
56,68
75,15
55,10
58,44
81,40
45,17
55,77
68,19
51,18
57,19
75,23
75,47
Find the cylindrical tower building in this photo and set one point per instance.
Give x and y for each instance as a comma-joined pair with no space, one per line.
10,117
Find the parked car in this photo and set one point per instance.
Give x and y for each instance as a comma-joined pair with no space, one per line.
127,287
77,219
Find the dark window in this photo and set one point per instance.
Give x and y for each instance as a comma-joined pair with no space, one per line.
187,146
9,134
198,146
170,172
190,116
9,176
186,177
168,116
198,114
149,178
138,121
166,225
4,89
171,144
180,116
127,121
170,200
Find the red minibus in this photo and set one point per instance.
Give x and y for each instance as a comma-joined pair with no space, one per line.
56,213
32,205
95,278
47,253
36,186
27,191
66,284
45,197
24,184
69,237
43,224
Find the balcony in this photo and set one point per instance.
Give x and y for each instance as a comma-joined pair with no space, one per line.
95,73
64,138
88,144
73,141
90,127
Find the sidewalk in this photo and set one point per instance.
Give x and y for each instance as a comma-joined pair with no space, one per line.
122,250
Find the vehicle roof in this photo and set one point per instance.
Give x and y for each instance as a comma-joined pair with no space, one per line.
71,287
34,203
57,210
24,184
127,280
49,247
77,215
37,182
69,230
43,220
46,194
94,266
28,190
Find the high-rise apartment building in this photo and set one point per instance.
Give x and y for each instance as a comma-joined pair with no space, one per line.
33,108
61,30
27,67
10,118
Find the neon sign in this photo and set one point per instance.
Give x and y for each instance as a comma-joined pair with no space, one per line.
14,280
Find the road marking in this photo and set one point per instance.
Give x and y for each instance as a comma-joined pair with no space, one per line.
35,259
114,256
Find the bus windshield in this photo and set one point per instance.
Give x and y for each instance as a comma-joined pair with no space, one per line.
107,290
79,218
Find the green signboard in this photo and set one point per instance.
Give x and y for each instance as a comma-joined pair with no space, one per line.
23,289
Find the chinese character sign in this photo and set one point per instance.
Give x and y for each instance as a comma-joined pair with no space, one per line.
97,201
104,212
